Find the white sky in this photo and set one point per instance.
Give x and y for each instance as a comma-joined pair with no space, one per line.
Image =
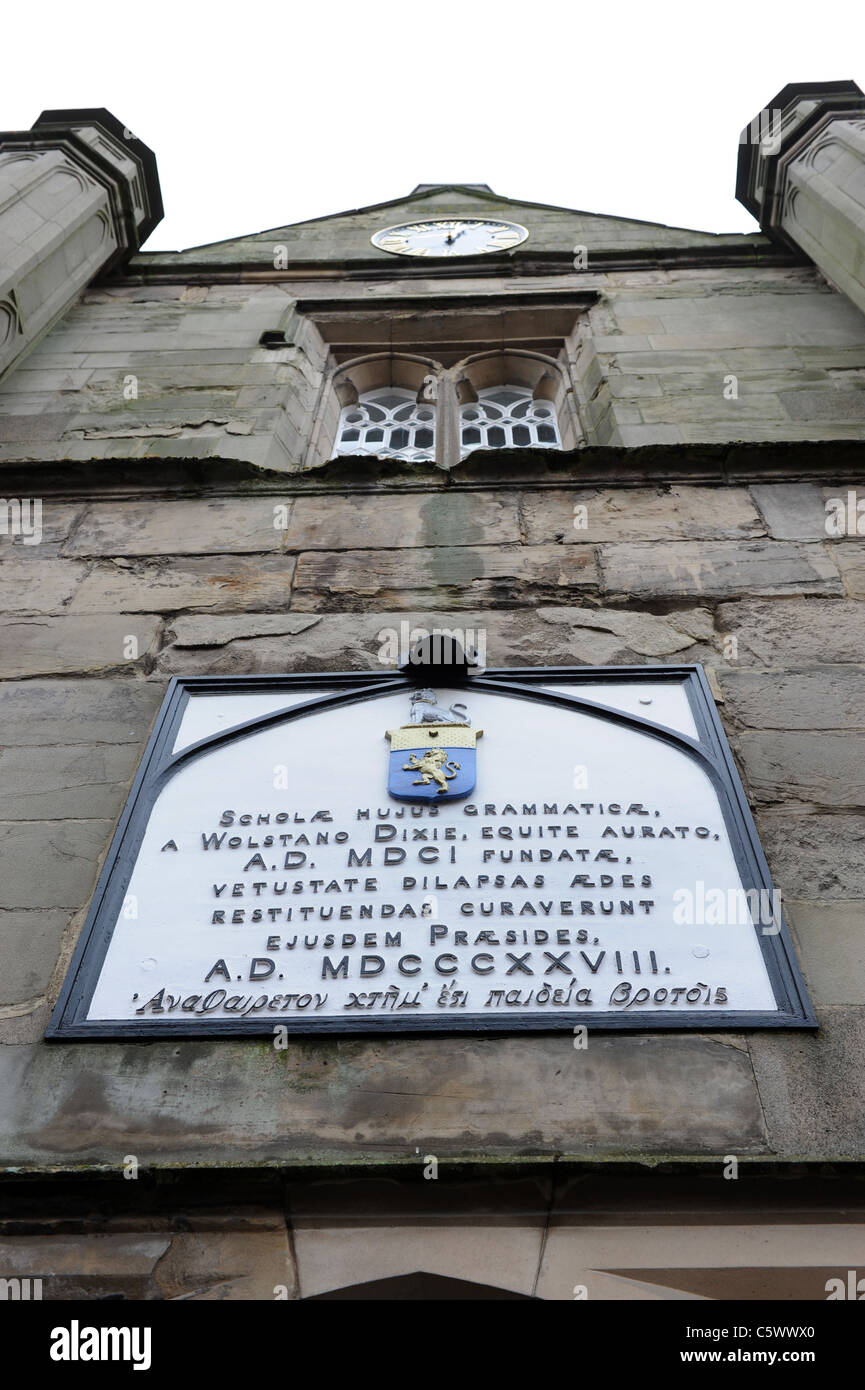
266,114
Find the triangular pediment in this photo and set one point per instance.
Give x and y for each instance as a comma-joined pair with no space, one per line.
345,236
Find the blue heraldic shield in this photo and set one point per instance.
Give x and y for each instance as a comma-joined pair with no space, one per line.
432,762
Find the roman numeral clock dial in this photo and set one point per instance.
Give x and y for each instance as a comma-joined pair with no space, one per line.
454,236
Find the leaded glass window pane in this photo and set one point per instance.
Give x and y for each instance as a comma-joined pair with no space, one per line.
388,421
508,417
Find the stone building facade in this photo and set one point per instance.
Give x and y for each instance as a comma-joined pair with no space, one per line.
181,498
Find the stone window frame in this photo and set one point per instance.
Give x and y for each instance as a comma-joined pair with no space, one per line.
446,350
449,391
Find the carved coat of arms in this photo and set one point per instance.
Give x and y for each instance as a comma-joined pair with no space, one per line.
433,757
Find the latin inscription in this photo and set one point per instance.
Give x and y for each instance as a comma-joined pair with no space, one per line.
538,888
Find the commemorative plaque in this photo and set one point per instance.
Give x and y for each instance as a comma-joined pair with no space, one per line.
432,849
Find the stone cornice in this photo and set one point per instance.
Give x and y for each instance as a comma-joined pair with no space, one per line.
832,460
753,250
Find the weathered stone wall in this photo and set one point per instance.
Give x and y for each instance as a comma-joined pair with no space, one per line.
167,372
700,356
719,556
666,356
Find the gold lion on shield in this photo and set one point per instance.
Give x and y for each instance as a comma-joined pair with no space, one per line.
433,766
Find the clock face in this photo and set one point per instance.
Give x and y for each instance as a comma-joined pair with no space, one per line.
450,236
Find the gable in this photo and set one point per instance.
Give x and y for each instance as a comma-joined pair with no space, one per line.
345,236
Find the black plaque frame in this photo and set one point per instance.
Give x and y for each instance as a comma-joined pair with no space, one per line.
158,764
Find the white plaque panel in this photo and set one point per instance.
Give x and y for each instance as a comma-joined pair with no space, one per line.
579,854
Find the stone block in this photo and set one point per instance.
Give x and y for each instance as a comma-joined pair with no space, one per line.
74,645
750,380
35,378
765,431
622,414
211,1266
717,569
51,863
634,385
640,514
643,634
49,359
30,584
636,326
229,584
850,559
80,782
825,698
453,576
713,342
635,436
809,1085
693,408
328,1101
792,511
96,1265
621,342
24,1022
836,403
181,527
797,633
830,937
304,642
57,521
246,1263
15,403
678,367
87,712
217,631
400,521
25,428
815,856
29,945
805,770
